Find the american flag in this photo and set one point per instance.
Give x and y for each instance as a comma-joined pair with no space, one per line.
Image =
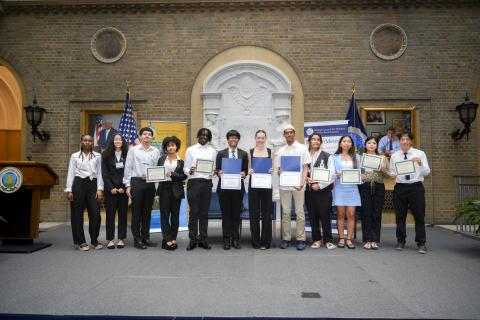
127,127
98,128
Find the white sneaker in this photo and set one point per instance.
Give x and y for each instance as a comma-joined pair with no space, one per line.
330,246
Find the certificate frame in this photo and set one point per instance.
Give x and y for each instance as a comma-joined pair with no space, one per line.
370,161
351,176
406,167
231,181
204,166
318,175
261,180
290,178
156,174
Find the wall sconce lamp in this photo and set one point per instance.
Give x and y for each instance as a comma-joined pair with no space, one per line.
467,112
34,118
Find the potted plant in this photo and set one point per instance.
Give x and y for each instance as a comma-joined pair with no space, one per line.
470,212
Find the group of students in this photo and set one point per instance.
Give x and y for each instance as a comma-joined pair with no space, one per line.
122,173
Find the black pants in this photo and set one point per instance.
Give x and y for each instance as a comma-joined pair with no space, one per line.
410,196
199,194
84,192
169,212
142,201
260,207
231,207
114,202
373,197
319,206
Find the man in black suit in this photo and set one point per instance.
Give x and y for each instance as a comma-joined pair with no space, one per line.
106,134
231,200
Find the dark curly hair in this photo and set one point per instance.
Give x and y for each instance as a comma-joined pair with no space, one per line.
173,139
109,151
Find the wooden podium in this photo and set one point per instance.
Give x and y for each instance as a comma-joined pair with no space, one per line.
20,210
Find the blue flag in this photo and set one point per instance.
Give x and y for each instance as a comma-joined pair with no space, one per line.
356,130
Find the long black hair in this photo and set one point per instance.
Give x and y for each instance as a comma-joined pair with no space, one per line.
372,138
351,152
311,136
109,151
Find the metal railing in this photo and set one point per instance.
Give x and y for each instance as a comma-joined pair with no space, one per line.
466,187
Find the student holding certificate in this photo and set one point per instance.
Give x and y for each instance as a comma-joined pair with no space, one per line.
260,196
229,196
170,191
293,150
142,193
372,193
113,166
199,165
345,193
85,189
410,166
318,194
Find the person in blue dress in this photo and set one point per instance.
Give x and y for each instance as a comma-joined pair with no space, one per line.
345,196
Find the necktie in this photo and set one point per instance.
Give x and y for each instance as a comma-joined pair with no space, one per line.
233,154
405,158
391,146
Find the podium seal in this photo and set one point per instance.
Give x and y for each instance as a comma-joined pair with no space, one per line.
11,179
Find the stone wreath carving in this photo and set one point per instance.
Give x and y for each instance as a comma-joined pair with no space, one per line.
108,45
388,41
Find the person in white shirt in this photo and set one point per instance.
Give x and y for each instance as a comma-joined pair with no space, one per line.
389,143
293,148
199,189
85,188
139,190
409,192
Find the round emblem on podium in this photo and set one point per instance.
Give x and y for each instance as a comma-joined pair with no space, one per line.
11,179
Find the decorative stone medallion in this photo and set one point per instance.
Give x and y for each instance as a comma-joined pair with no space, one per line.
11,179
108,45
388,41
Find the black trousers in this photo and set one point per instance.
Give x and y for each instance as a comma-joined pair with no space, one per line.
84,192
231,206
199,195
411,196
113,203
319,206
142,201
169,212
260,207
373,197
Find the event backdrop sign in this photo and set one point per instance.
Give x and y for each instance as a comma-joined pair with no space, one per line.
162,129
331,132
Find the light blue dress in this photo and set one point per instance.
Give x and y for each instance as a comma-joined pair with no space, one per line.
345,194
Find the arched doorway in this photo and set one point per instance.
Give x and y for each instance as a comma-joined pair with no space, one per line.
11,103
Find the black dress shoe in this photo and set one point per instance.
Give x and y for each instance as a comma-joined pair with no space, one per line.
236,244
140,245
226,246
149,243
192,245
204,244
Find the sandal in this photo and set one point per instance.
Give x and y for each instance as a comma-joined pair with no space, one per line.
316,244
350,244
84,247
341,243
97,246
111,245
330,246
374,246
367,246
120,244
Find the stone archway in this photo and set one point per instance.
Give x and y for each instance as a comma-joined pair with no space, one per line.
11,103
247,96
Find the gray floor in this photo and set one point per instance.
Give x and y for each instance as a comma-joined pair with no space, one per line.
59,280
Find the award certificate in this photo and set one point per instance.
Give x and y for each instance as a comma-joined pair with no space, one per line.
405,167
370,161
290,179
155,174
204,166
351,176
231,181
321,175
261,180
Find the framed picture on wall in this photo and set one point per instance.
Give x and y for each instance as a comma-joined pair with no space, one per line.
398,125
375,117
375,134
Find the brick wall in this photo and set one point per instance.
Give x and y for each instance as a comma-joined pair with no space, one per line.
329,48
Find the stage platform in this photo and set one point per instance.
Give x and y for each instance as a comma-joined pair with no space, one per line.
59,280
